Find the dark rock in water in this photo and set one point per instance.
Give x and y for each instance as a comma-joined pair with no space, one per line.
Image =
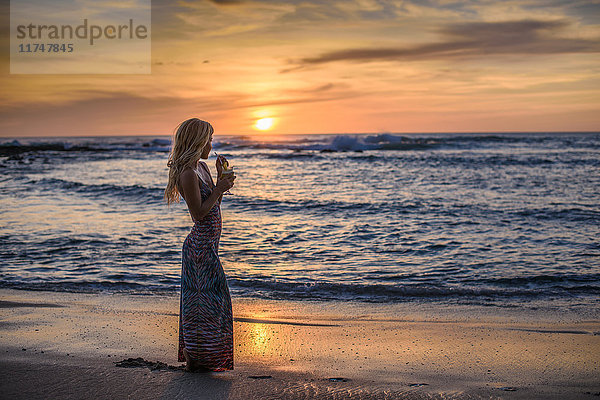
141,363
338,379
417,384
327,151
260,376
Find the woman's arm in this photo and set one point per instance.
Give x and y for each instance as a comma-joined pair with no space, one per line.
193,198
219,166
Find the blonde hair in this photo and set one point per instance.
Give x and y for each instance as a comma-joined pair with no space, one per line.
189,140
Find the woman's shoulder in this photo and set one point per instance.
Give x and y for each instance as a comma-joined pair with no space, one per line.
188,176
188,173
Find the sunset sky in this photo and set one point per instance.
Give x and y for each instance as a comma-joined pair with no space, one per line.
320,66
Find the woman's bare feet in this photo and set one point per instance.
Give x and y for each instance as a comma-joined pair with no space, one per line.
188,361
192,365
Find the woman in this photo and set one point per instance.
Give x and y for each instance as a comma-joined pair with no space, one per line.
205,315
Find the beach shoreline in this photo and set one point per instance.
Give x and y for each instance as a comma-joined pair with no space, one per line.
67,344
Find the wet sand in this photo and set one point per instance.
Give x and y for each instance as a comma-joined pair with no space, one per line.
68,345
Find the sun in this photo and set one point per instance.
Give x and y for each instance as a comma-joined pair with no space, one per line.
264,124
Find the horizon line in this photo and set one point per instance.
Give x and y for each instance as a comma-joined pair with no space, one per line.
292,134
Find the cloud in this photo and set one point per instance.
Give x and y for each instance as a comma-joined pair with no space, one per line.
127,113
315,94
226,2
319,89
135,114
472,39
325,92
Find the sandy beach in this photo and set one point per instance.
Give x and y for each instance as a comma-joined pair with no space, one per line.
68,345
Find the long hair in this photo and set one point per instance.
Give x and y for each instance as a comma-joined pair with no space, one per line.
188,142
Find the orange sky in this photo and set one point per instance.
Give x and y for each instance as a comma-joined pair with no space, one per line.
320,66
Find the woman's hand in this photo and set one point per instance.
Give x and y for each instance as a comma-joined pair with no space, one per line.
219,165
225,182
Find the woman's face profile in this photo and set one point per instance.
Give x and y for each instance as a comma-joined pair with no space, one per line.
207,148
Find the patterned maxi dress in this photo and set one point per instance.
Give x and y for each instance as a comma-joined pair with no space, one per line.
205,315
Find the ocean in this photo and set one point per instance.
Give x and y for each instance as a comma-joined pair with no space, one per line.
503,219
